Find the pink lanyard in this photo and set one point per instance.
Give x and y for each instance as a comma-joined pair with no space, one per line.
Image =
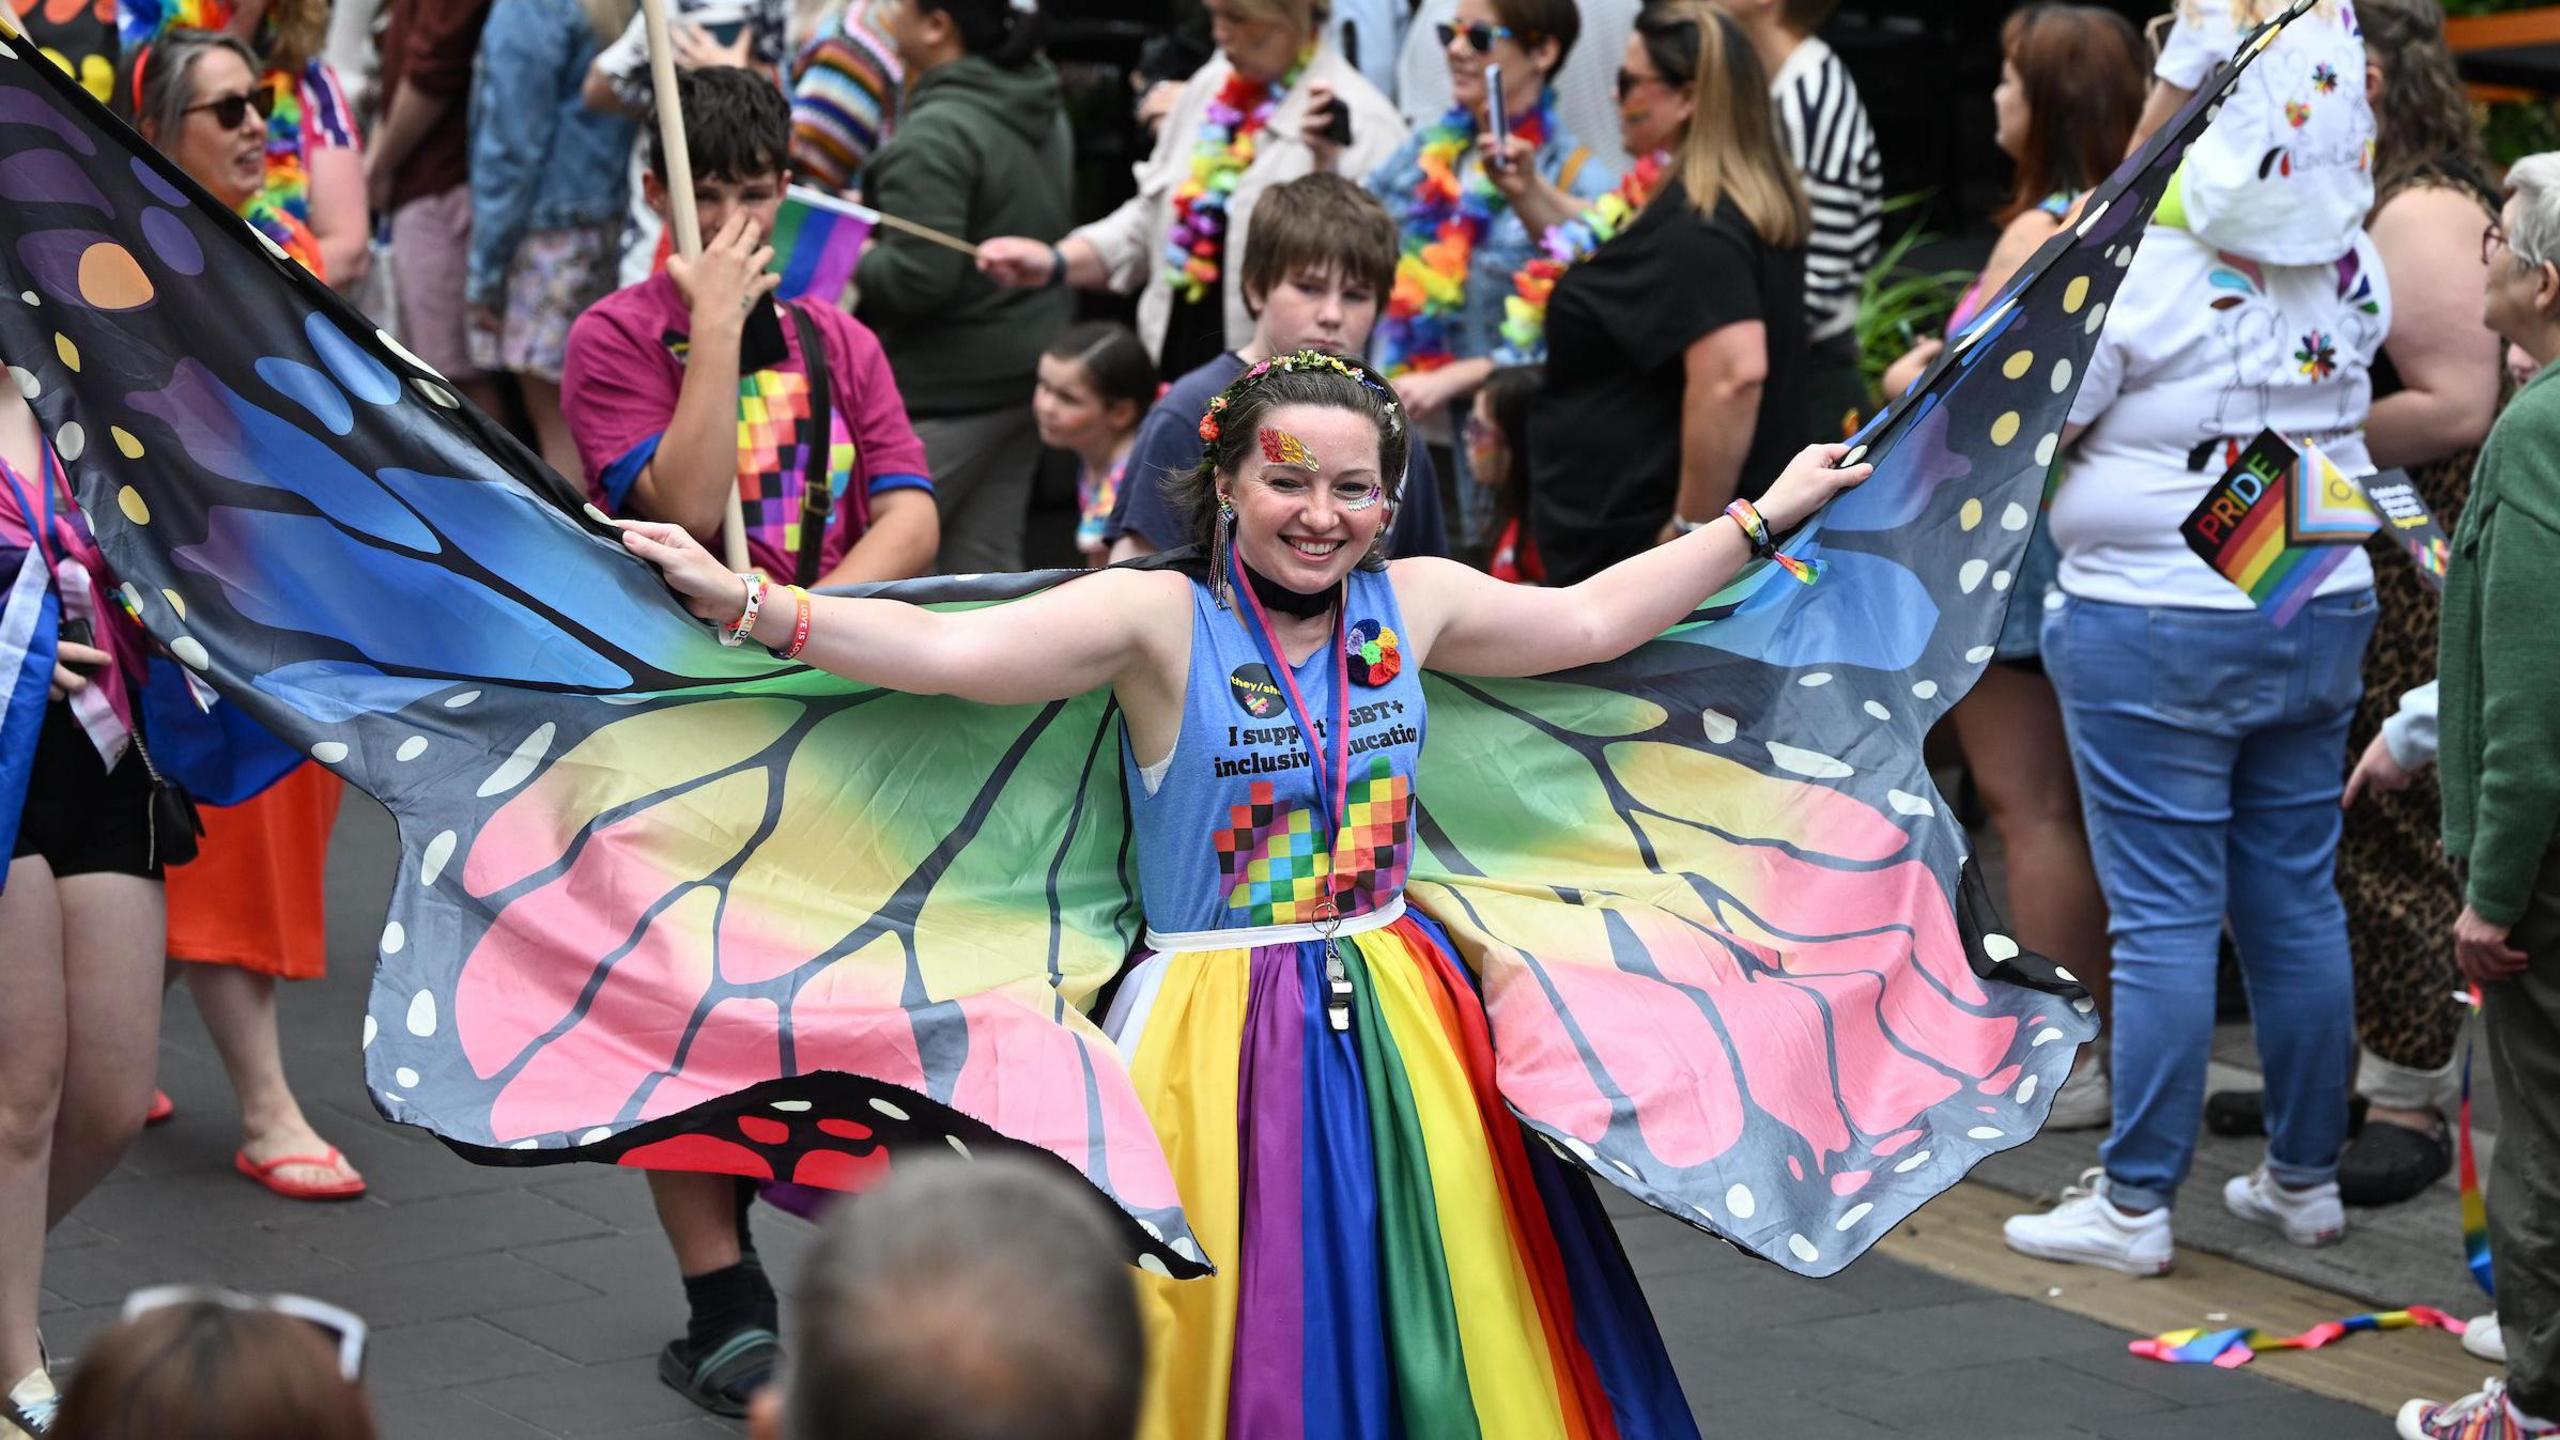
1339,766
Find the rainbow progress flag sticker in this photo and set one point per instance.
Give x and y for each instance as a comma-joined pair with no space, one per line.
816,240
2278,523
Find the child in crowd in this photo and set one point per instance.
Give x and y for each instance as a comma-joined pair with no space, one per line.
1497,437
1822,124
2287,167
678,388
1096,383
1319,256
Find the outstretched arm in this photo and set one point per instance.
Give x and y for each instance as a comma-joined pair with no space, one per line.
1472,624
1096,631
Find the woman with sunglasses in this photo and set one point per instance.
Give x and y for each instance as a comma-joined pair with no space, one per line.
250,910
1675,343
1471,193
1273,104
315,163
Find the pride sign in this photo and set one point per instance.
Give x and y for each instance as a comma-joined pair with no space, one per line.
2275,538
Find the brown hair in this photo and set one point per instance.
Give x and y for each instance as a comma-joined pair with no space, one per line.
2423,127
1319,223
292,34
1535,20
2082,69
1194,492
1731,149
207,1371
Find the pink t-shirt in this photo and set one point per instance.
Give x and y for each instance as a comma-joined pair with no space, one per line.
626,364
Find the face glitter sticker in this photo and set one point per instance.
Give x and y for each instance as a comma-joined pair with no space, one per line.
1369,497
1279,447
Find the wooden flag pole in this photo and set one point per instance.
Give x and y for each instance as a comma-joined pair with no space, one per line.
688,223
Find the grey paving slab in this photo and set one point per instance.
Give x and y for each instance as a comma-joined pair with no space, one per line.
515,1303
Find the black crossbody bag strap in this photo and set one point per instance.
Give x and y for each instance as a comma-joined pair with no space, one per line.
817,499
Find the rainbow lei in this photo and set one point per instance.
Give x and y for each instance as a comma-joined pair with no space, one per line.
1524,326
1443,219
1230,129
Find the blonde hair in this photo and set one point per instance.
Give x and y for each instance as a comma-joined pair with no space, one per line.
1731,147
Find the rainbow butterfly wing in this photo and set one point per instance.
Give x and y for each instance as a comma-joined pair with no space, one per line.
1739,963
659,901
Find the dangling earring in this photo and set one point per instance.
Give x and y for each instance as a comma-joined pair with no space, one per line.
1220,538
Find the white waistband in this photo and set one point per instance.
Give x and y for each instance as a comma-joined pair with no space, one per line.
1164,942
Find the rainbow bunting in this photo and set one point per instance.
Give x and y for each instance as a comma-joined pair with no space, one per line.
2231,1349
2242,530
816,241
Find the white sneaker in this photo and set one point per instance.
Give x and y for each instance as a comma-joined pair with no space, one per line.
2087,1229
2484,1414
2305,1217
2086,1101
2483,1338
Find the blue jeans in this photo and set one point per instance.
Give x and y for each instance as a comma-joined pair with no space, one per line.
2211,751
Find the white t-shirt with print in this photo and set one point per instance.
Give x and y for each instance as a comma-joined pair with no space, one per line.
2200,351
2285,172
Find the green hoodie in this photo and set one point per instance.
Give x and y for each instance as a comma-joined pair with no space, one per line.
2500,658
979,151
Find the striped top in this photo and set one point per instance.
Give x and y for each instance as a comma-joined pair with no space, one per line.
844,96
1824,127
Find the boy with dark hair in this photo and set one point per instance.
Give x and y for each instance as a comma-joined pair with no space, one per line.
694,380
1319,258
1823,125
676,390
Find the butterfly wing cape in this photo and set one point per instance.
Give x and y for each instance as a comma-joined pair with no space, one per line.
680,906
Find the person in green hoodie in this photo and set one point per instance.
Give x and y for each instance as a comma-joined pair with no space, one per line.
981,149
2499,731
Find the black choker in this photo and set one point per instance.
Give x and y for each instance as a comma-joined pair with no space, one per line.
1279,597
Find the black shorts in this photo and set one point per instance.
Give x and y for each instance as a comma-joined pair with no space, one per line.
80,817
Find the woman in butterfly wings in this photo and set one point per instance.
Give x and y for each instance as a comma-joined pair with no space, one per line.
1317,1061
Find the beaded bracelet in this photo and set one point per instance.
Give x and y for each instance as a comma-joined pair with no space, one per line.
745,626
799,626
1754,529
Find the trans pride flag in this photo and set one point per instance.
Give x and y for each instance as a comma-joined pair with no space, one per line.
2278,523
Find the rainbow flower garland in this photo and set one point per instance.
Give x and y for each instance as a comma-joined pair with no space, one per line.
1230,128
1524,326
1441,222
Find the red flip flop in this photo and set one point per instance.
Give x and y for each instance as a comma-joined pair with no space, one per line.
162,1107
265,1174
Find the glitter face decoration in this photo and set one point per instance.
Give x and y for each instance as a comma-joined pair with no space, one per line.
1279,447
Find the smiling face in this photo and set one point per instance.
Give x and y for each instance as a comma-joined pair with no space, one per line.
1306,518
1652,112
1524,72
228,160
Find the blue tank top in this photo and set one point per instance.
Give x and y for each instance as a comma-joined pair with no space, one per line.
1231,838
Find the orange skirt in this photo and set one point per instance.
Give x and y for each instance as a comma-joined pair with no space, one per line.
253,897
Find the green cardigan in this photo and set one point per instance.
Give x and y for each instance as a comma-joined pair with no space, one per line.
2500,660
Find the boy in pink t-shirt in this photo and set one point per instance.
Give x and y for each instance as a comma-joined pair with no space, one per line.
670,407
669,415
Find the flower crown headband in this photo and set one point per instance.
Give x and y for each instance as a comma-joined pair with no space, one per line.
1300,362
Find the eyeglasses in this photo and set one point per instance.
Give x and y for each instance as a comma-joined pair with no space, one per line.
231,111
343,1329
1480,36
2492,240
1630,82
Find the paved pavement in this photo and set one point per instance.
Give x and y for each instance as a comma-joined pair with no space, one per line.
516,1303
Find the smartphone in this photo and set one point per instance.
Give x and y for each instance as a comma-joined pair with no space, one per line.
77,632
1499,115
1337,125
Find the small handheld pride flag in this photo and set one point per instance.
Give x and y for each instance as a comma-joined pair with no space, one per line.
2247,530
816,241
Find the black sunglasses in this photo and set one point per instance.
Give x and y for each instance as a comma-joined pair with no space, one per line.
231,111
1480,36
